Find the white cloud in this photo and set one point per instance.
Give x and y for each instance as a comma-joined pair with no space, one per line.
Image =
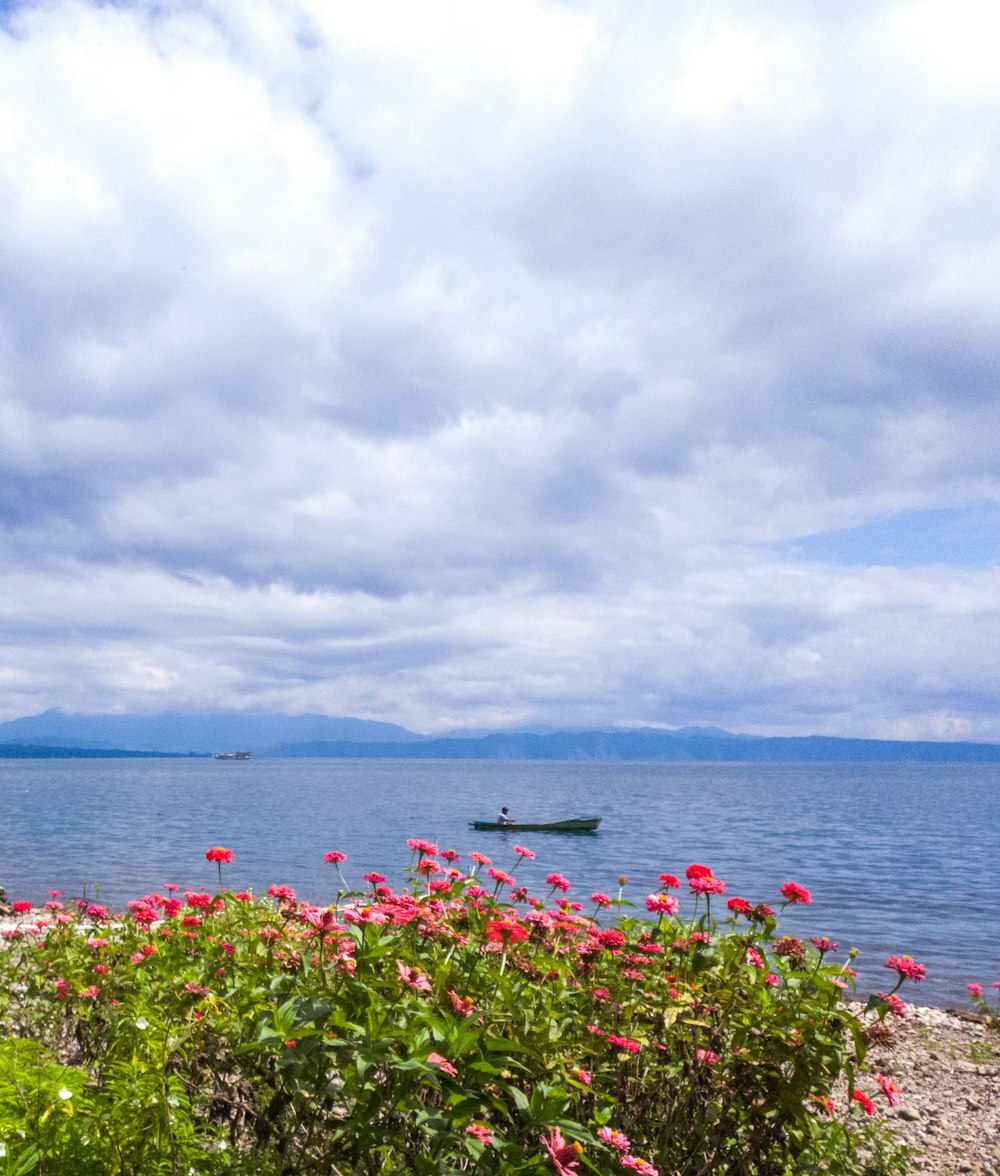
456,366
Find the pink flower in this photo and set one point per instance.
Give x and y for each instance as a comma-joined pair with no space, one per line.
976,990
896,1006
481,1133
706,1057
413,978
335,857
662,904
707,885
565,1156
754,958
889,1089
218,854
423,847
614,1139
823,945
771,979
522,852
557,882
792,892
906,966
585,1077
643,1167
600,900
480,859
624,1042
435,1059
461,1004
670,881
373,878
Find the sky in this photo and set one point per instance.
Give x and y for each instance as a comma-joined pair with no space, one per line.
477,365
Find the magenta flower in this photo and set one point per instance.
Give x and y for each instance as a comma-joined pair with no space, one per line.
662,904
906,966
477,1131
435,1059
565,1156
219,854
335,857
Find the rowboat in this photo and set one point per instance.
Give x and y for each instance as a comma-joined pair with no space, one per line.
574,825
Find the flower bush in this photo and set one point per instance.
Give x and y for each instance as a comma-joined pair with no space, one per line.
456,1024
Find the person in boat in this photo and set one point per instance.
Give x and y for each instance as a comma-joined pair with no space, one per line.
504,817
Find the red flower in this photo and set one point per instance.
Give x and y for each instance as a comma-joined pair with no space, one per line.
218,854
740,906
565,1156
695,871
865,1101
335,857
670,881
506,930
792,892
22,908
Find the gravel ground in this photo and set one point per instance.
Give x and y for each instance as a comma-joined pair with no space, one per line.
947,1068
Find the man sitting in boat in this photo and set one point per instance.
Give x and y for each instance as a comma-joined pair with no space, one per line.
504,818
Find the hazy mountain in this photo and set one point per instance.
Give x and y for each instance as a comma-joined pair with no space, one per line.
219,731
318,735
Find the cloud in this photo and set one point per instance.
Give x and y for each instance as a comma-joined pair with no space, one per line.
457,367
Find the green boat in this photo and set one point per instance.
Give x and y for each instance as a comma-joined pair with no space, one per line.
574,825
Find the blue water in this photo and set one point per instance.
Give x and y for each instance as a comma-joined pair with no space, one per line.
900,858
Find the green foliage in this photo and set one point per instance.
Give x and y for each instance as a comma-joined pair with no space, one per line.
440,1029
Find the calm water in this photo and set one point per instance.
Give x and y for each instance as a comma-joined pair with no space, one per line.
900,858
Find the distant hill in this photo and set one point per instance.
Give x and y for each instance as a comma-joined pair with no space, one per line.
659,746
56,734
169,732
33,751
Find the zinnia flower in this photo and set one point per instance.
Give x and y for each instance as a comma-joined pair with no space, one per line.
218,854
335,857
662,904
976,990
481,1133
865,1101
614,1138
792,892
906,966
565,1156
522,852
889,1089
413,978
435,1059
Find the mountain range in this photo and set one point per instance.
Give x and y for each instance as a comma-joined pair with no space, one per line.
55,733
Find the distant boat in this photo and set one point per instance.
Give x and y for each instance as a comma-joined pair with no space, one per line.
573,825
233,755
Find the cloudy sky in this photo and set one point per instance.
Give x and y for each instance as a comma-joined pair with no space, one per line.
464,364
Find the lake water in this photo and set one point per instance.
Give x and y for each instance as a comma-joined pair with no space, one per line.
900,858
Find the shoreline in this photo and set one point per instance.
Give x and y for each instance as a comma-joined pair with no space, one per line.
946,1064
